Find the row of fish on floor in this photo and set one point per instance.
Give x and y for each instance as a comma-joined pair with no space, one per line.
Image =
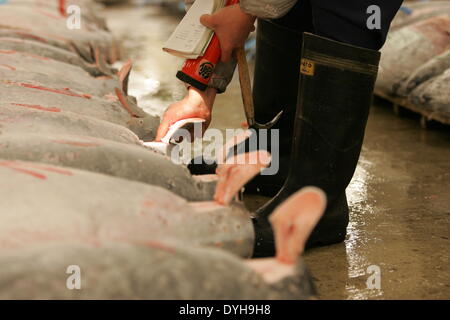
87,210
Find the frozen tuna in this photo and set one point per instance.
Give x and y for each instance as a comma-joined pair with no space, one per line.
17,66
433,98
122,160
409,48
159,270
118,109
414,12
16,118
427,71
42,51
24,23
48,203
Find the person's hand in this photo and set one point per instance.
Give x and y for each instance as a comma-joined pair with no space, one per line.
196,104
232,26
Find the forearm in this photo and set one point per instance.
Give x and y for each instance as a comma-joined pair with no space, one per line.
266,9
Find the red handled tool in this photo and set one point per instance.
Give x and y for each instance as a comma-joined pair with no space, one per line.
198,72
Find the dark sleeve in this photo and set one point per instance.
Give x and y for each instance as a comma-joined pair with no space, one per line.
346,20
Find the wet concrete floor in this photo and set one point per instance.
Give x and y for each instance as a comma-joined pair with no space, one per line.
399,195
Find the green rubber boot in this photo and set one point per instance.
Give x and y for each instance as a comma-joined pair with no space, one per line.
335,93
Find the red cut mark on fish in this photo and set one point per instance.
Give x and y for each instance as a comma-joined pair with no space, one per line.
124,103
77,143
36,56
13,166
65,91
159,245
437,31
25,54
27,33
10,120
62,7
149,203
51,169
38,107
48,14
21,236
31,36
19,167
6,66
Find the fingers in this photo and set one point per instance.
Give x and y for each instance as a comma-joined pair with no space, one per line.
231,26
208,21
191,107
226,54
162,129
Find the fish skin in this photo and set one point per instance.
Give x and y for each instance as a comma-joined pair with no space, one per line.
21,22
132,162
178,247
415,44
51,9
419,11
433,97
52,73
44,50
48,203
28,92
50,119
124,271
433,68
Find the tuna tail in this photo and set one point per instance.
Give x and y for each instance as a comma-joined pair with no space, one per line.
124,75
292,221
236,172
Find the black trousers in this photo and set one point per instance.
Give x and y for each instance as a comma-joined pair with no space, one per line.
343,20
278,50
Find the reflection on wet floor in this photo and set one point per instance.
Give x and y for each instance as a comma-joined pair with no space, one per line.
141,31
399,196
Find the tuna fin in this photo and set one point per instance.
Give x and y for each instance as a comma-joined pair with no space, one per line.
235,140
236,172
294,220
124,74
